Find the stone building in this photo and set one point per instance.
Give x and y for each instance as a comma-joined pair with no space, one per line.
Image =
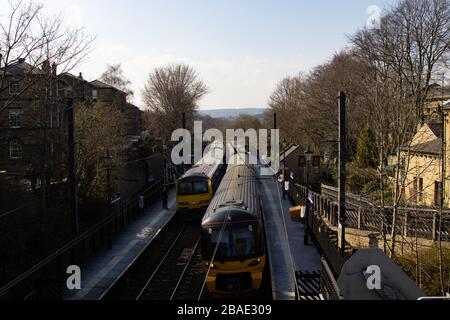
293,163
33,102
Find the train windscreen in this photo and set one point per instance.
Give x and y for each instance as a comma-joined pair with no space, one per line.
188,187
236,242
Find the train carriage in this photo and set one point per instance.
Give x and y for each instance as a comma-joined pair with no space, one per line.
196,188
233,242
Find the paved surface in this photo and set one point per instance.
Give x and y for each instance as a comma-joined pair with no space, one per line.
105,268
286,250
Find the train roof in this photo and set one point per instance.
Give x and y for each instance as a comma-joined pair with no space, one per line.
202,169
237,196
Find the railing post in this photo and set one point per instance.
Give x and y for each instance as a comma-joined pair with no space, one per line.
405,222
433,236
359,217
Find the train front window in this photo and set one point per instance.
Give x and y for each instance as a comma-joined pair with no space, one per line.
237,241
186,188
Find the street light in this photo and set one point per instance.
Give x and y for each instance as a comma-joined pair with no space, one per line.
108,159
308,158
284,169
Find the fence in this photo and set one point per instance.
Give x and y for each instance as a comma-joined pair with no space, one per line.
325,238
45,280
362,215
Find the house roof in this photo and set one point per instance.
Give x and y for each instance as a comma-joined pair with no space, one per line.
21,68
436,128
291,149
436,92
101,85
433,147
72,76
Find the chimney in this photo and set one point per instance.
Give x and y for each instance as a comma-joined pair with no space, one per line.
21,60
46,67
80,76
54,71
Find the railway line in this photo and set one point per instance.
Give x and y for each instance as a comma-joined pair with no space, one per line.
169,268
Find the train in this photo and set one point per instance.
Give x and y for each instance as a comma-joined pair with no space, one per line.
232,238
196,188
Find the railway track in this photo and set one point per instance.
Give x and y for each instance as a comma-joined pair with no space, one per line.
170,268
173,279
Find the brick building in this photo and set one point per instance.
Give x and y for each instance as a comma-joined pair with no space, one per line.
32,116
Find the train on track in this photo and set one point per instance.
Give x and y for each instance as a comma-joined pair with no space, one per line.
233,238
196,188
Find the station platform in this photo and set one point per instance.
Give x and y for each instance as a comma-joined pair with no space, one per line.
285,239
103,270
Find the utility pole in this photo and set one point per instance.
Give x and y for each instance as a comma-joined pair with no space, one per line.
183,120
72,178
342,170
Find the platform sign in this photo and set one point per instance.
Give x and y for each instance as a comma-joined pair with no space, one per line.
340,242
286,186
115,198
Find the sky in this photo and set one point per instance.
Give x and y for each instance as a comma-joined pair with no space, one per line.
241,49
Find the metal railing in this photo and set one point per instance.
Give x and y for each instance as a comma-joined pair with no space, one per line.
418,221
45,280
329,288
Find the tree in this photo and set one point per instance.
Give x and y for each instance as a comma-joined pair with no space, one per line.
28,34
366,155
288,102
98,132
114,76
412,41
171,91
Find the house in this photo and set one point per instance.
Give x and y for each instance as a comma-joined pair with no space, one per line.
33,102
112,96
437,97
30,119
423,158
293,163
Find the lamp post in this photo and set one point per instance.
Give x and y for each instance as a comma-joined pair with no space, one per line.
73,193
108,160
308,158
284,169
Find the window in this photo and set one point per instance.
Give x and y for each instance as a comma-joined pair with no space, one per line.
14,119
415,189
234,243
302,161
187,188
316,161
94,94
15,149
14,87
421,190
437,193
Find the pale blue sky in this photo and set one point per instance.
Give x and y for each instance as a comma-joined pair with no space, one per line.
241,49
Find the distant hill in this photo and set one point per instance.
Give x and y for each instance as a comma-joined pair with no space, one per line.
233,113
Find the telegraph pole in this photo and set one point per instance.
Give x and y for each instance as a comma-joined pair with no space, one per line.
342,169
72,178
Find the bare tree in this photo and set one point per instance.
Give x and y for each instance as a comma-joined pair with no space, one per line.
114,76
98,131
169,92
412,41
287,100
28,34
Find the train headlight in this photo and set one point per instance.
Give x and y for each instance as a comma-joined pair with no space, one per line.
255,263
212,266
